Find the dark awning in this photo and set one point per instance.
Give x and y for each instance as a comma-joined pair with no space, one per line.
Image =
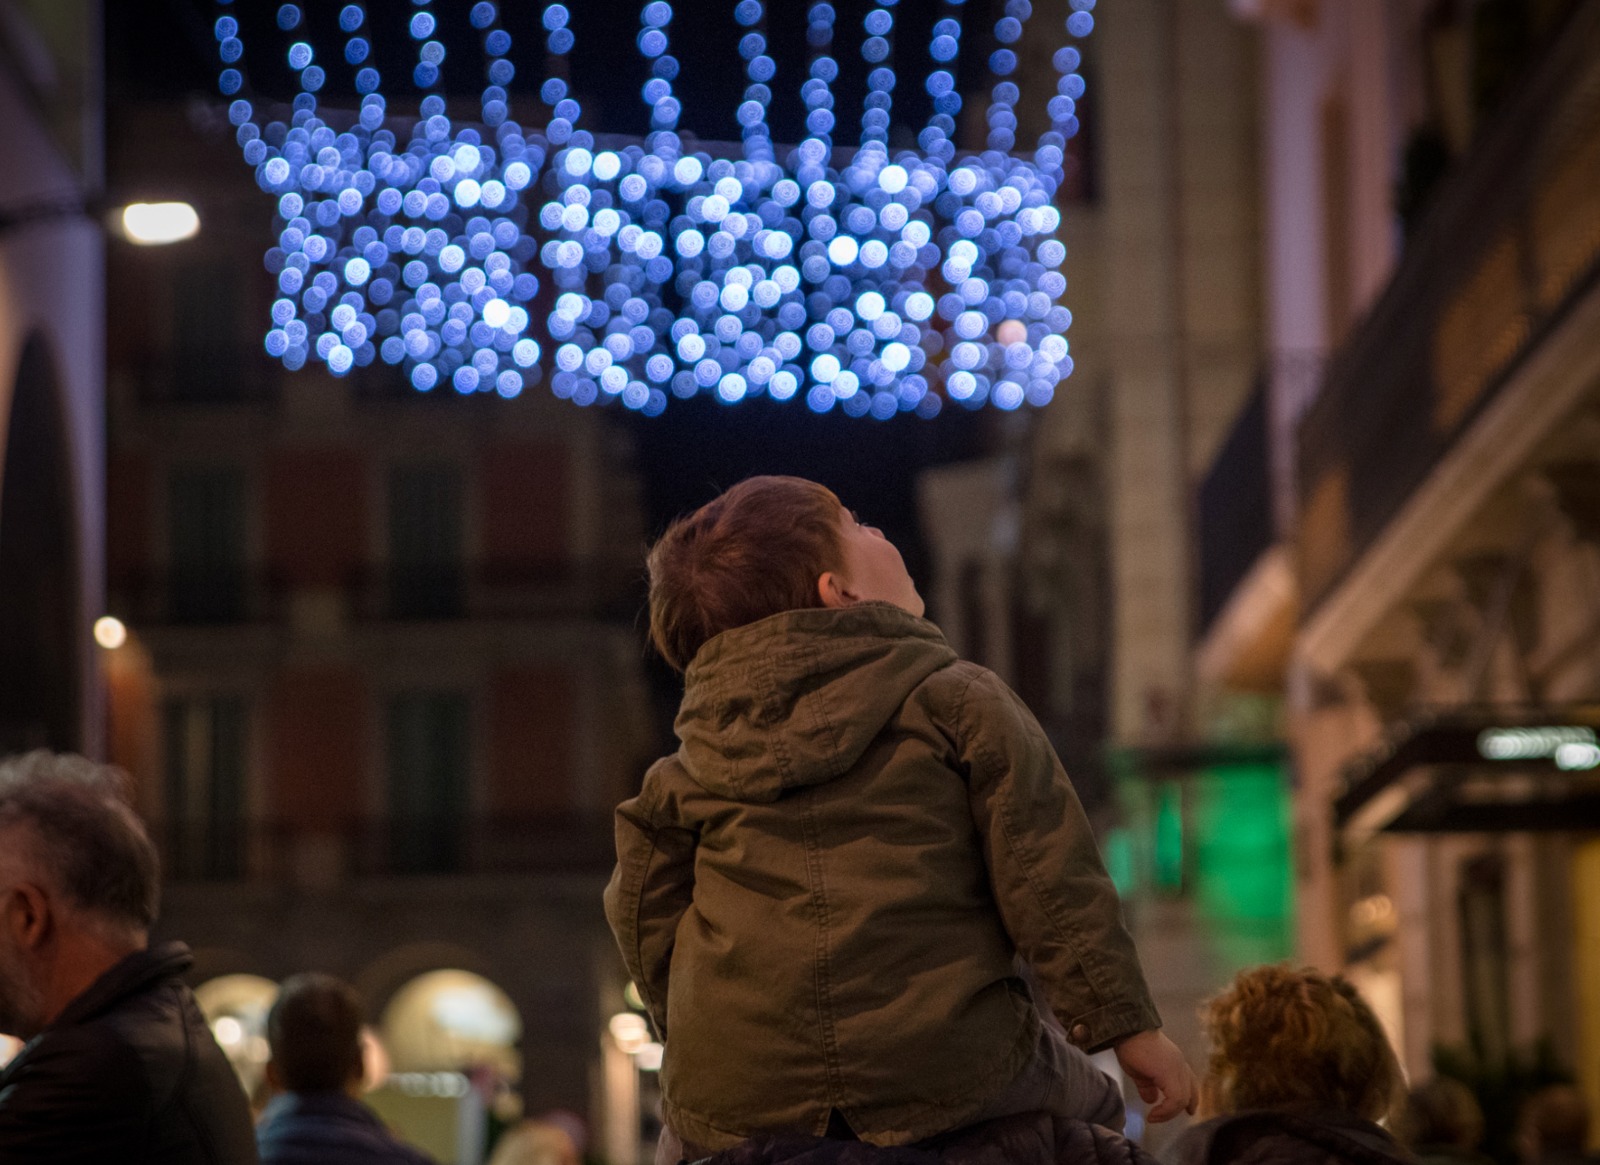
1481,769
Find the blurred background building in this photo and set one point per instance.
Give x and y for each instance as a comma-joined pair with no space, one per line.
381,687
52,378
1398,539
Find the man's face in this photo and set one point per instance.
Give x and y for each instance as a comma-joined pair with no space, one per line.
873,568
21,1000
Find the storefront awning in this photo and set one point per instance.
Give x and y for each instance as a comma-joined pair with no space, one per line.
1477,770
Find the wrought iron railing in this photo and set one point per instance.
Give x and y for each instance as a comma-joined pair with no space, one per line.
1510,243
1235,509
381,847
606,587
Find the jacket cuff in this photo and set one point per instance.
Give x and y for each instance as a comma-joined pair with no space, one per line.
1097,1030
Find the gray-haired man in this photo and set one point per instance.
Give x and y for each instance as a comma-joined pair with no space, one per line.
119,1064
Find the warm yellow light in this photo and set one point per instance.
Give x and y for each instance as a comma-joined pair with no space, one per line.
153,223
110,632
629,1031
229,1031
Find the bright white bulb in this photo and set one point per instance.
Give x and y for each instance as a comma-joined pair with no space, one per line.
629,1031
151,224
110,632
842,251
496,313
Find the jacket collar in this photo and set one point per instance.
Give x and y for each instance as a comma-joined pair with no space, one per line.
334,1104
133,974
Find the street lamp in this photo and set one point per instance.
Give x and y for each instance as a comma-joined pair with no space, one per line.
151,224
110,632
147,224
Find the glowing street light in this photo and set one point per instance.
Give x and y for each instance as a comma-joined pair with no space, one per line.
110,632
152,224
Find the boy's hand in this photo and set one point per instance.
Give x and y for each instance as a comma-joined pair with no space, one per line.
1161,1074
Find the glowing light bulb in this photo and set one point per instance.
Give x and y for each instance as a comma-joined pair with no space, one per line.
110,632
156,223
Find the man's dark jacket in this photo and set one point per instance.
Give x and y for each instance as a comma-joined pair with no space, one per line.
1286,1137
328,1128
129,1073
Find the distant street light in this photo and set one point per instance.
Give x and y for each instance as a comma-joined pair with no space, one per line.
110,632
154,223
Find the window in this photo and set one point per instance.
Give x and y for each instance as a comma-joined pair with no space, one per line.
429,780
425,542
207,545
205,786
1484,949
206,346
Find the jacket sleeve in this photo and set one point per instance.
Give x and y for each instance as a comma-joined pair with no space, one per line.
1055,897
650,891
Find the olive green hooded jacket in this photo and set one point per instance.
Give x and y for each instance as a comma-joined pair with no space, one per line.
821,895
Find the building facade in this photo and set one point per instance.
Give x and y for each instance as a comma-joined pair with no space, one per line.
382,686
51,378
1418,577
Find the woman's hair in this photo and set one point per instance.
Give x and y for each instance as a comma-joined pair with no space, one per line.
1282,1038
755,551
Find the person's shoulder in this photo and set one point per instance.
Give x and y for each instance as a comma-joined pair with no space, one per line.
950,686
96,1051
300,1129
1282,1137
86,1068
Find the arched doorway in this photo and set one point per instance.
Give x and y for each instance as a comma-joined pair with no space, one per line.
40,671
451,1038
236,1007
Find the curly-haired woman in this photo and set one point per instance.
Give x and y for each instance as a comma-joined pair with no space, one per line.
1300,1073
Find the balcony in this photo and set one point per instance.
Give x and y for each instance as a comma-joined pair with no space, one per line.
1235,509
385,847
1504,257
606,587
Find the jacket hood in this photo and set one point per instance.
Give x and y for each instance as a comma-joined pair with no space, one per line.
795,699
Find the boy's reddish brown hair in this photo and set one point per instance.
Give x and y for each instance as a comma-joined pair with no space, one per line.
755,551
1285,1038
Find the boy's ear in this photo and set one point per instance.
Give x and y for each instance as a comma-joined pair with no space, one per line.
832,591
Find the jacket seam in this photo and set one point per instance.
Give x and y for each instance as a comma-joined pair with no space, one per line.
181,1091
819,898
1008,829
780,752
637,880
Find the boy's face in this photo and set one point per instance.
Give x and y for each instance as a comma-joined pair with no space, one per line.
872,570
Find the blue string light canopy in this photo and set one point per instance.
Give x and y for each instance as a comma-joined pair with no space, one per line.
873,280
